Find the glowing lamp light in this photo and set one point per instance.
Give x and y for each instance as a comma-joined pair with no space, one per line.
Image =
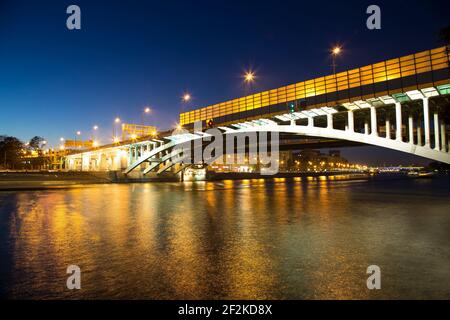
186,97
336,50
117,120
133,136
249,76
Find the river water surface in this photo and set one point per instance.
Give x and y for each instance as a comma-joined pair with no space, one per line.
304,238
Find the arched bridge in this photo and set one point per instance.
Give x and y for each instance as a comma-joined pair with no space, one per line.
413,122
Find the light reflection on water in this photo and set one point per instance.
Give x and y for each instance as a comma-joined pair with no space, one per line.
303,238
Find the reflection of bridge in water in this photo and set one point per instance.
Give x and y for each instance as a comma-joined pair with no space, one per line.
400,104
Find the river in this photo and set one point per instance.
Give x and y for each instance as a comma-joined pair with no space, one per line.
301,238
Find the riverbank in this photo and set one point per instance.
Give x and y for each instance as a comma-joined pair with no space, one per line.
23,181
11,181
246,176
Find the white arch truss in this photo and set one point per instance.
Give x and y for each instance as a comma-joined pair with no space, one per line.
438,150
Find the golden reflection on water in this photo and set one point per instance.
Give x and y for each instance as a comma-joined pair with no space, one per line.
250,239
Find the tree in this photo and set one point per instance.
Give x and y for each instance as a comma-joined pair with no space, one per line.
10,152
444,34
36,143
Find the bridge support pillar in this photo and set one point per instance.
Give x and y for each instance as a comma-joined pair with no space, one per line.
443,137
436,132
398,121
373,121
419,136
329,121
388,129
366,128
351,121
426,121
411,129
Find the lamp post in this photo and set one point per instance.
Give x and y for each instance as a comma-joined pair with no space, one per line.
334,53
78,133
249,79
116,122
147,110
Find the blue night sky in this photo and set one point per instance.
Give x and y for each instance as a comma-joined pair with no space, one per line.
130,54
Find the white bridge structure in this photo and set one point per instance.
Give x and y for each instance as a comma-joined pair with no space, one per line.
413,122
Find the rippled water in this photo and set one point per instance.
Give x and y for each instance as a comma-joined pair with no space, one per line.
255,239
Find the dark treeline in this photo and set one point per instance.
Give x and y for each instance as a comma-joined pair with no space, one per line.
13,152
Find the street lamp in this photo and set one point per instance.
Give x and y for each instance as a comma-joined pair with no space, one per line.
334,53
249,77
147,110
116,121
187,97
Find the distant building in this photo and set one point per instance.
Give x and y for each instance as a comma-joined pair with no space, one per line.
314,160
78,144
135,131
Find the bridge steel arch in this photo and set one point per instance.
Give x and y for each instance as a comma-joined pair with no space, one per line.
418,142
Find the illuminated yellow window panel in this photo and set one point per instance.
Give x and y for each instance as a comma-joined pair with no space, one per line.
439,61
366,73
380,79
379,74
408,73
363,83
300,95
407,58
423,64
423,59
378,65
382,69
422,54
353,83
319,92
407,63
424,69
440,66
366,78
393,66
441,49
408,68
